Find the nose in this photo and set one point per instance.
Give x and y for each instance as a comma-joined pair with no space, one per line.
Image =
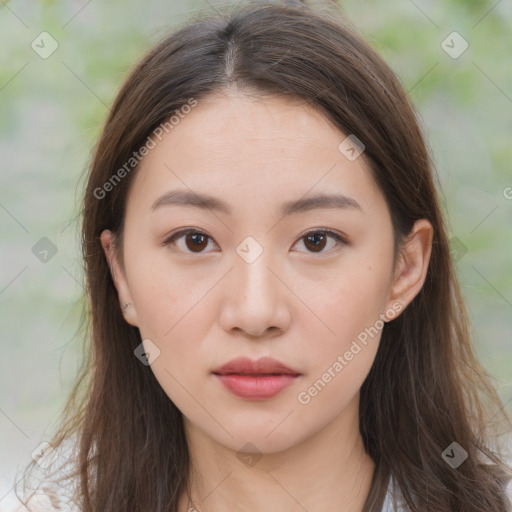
256,299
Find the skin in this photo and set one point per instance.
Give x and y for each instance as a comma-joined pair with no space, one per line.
300,306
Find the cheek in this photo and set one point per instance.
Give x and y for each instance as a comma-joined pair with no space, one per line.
177,321
342,332
338,360
176,310
166,297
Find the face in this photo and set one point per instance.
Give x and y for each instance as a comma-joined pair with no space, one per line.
248,274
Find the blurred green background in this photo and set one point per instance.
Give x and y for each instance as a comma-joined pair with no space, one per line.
52,110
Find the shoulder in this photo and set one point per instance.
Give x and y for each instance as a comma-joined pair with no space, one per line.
509,493
50,488
394,503
48,497
44,500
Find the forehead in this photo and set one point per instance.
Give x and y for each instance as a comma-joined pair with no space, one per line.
251,151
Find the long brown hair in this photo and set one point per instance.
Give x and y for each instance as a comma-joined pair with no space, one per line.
425,390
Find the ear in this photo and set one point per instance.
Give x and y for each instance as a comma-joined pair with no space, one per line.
118,276
412,264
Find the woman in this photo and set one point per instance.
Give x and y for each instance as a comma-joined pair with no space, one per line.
275,318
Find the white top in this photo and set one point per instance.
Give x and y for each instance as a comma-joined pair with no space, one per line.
49,498
401,507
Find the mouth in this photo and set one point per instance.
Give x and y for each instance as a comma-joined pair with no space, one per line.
256,380
256,387
261,367
254,374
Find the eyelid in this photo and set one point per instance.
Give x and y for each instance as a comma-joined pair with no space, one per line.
182,232
334,234
342,239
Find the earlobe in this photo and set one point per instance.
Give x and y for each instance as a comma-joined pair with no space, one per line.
118,277
412,264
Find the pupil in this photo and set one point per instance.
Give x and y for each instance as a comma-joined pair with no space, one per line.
318,243
197,240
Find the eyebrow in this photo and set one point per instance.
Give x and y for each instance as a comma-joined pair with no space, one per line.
304,204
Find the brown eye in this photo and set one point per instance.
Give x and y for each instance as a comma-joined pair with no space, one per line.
194,241
316,241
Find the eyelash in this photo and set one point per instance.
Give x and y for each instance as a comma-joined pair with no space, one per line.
340,239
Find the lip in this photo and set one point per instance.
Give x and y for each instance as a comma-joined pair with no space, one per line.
262,366
256,380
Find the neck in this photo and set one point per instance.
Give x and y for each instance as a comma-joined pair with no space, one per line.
328,471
